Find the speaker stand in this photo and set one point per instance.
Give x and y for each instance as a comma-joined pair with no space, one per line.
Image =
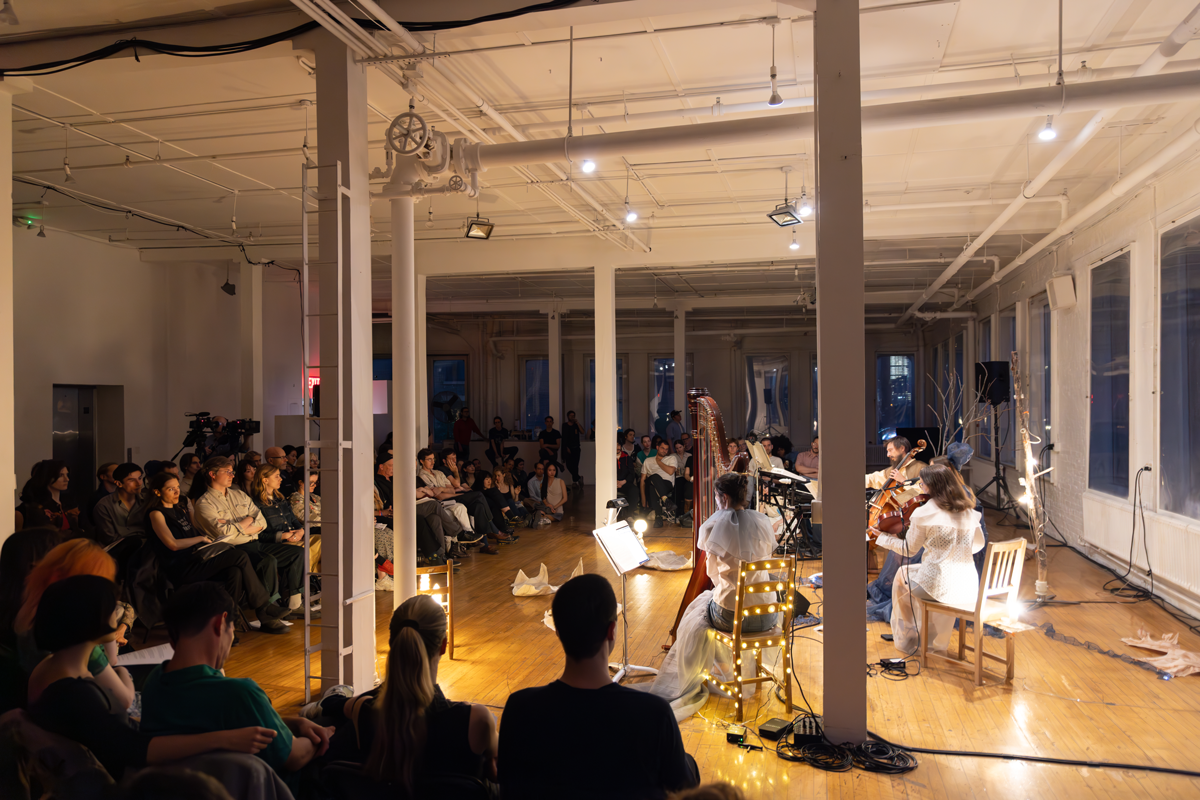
1005,502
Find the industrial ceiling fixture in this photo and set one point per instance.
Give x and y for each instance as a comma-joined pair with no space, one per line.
795,245
227,287
775,99
1048,133
785,213
7,15
67,176
478,227
42,225
630,214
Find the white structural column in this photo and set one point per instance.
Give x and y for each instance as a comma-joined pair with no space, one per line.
841,342
681,386
8,455
404,398
606,389
422,401
554,354
347,524
250,302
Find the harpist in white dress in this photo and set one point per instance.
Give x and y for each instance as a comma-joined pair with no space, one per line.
730,536
948,528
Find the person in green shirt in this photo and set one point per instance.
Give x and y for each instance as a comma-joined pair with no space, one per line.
188,694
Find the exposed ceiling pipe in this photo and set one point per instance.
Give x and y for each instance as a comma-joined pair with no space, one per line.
1133,180
668,332
1170,88
412,43
1170,46
931,315
906,93
868,207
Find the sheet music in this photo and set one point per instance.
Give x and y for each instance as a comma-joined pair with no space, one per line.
150,655
622,547
217,541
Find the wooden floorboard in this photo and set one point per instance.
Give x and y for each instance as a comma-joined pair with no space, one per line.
1065,701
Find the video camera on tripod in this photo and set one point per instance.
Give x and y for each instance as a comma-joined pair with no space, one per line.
228,434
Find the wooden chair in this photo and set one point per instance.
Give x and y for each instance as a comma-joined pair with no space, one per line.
998,587
443,593
742,645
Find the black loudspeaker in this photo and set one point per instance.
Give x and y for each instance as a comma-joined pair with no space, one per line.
767,395
991,381
316,400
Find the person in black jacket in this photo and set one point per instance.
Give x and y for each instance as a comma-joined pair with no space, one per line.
283,537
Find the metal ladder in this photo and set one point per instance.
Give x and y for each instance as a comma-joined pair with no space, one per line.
331,557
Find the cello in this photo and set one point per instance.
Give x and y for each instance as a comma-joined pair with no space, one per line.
885,512
709,461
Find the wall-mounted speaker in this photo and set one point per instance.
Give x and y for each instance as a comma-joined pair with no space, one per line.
1061,292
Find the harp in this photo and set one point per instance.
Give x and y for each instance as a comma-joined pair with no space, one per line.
710,460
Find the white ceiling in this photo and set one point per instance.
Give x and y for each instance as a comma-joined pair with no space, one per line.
626,57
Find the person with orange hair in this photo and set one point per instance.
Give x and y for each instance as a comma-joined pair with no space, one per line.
74,557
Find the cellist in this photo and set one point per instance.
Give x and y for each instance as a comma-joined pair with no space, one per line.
897,450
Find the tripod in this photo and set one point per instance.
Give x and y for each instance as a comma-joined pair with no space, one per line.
1004,500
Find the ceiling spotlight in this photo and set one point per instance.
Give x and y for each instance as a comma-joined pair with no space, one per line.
1047,133
775,99
805,208
67,176
429,222
794,245
7,15
785,214
630,214
228,288
41,232
588,166
479,228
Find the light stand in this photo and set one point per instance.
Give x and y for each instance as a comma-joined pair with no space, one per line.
1002,492
625,552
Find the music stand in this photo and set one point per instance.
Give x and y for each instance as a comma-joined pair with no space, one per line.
625,553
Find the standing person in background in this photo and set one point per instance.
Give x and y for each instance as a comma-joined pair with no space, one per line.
497,435
549,440
675,427
107,486
464,426
572,432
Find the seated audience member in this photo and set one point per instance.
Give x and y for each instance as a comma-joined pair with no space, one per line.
549,441
384,469
646,450
519,476
497,435
683,477
732,449
533,486
314,503
121,514
254,457
503,480
502,504
464,426
107,485
189,465
533,765
627,483
628,440
75,557
445,489
190,695
42,504
469,476
225,513
769,447
177,545
658,483
20,552
385,538
554,492
290,454
282,526
77,615
808,463
380,727
244,476
278,459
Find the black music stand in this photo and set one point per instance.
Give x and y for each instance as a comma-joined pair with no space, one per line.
625,553
1005,501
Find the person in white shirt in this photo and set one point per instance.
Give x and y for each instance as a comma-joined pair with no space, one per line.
769,446
658,476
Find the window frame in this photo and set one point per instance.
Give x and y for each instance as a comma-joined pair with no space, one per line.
1008,453
523,360
916,379
681,403
430,359
589,388
786,413
1049,421
1089,270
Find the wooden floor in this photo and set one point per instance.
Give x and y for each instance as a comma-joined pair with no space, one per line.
1065,701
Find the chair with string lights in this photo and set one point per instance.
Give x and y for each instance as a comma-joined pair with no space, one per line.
742,645
996,604
442,594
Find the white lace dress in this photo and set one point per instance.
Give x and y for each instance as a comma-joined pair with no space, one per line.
946,572
727,534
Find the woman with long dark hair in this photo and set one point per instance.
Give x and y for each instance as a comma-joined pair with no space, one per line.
554,492
42,503
947,528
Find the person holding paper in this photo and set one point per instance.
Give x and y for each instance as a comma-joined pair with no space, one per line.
188,556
